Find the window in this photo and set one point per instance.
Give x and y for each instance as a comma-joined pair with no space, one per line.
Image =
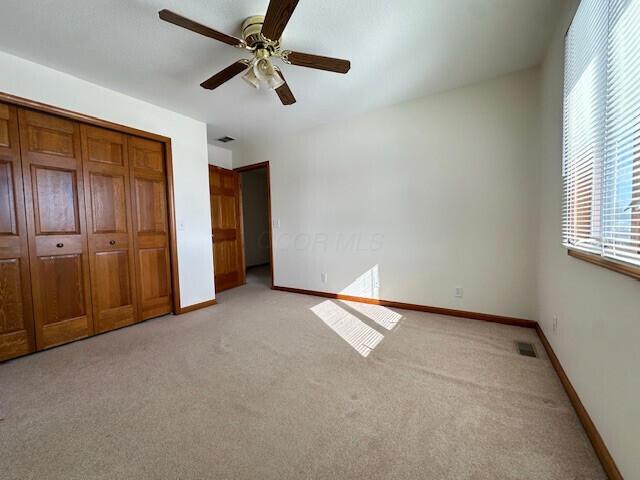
601,132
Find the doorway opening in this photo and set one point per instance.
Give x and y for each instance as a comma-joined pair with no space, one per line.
255,181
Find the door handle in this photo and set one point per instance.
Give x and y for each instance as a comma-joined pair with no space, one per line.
112,242
59,245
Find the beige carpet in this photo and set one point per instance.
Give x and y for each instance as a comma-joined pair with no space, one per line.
261,387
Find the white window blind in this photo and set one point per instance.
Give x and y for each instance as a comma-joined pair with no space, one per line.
601,132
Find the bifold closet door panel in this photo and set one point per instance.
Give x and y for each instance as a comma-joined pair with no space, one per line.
54,197
151,233
17,335
109,228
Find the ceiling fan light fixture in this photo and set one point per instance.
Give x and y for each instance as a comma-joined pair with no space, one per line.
275,82
251,79
266,72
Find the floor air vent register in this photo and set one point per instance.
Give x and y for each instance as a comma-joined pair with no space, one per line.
526,349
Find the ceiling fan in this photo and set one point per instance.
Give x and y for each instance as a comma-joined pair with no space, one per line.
261,36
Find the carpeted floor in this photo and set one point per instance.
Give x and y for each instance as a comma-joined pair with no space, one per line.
272,385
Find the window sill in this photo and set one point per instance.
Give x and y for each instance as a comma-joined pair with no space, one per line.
628,270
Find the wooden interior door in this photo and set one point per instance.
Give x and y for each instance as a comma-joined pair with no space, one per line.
16,313
151,233
226,225
109,228
53,181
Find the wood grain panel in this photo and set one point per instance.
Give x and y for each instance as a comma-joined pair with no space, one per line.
152,265
151,239
55,194
51,142
150,206
171,17
215,181
62,288
109,222
4,134
225,255
56,223
108,203
11,308
112,268
228,181
278,14
4,125
59,333
8,220
284,92
148,156
225,75
17,335
226,224
224,212
15,344
105,147
319,62
48,135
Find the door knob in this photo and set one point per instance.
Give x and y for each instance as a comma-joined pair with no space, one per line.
112,242
59,245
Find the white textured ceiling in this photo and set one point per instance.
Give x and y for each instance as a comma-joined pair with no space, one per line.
399,50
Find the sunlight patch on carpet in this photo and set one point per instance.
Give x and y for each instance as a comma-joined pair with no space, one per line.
352,330
383,316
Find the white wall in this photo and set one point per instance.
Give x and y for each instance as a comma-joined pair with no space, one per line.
189,143
407,202
599,310
220,157
255,215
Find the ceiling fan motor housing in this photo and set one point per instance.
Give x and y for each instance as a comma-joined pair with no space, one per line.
251,29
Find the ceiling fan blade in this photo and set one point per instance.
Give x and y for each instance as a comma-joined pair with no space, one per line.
316,61
284,92
277,17
225,75
171,17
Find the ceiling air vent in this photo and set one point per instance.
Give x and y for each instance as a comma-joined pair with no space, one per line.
526,349
226,139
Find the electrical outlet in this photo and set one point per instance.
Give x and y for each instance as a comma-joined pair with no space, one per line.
555,323
459,292
323,277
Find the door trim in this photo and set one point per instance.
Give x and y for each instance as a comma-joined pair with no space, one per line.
198,306
88,119
248,168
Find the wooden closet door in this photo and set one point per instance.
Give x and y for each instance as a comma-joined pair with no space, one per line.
109,228
16,313
151,233
52,172
226,226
